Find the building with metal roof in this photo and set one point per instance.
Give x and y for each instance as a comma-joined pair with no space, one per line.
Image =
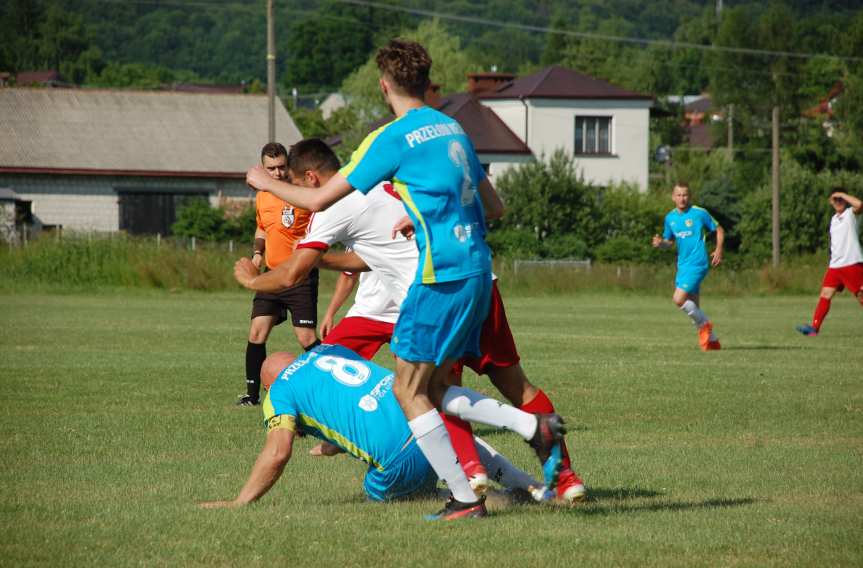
108,159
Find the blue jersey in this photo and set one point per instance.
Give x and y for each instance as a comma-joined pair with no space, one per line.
335,395
689,229
434,168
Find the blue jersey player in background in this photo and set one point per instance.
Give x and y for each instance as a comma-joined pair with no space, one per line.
333,394
434,168
688,226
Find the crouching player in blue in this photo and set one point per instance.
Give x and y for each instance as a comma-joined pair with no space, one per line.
335,395
687,225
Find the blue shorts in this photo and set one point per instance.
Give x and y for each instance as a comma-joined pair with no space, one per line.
411,473
442,321
689,279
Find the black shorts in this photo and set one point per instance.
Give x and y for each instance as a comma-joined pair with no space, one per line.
301,301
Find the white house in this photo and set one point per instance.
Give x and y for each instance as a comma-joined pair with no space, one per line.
108,160
606,128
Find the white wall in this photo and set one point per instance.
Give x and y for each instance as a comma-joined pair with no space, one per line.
91,203
551,125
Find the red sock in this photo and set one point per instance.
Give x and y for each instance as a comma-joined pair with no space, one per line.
461,435
820,312
541,404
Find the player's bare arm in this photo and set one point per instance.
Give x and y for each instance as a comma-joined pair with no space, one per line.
491,201
660,243
716,258
287,275
344,286
344,262
266,471
313,199
855,203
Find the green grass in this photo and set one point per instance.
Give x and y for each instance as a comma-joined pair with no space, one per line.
118,418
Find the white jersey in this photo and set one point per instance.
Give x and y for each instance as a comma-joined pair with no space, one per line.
365,224
374,301
845,239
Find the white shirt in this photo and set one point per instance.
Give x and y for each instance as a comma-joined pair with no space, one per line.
365,224
845,239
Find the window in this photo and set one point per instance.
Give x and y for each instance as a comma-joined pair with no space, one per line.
592,135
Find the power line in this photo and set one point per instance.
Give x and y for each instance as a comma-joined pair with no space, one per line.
670,44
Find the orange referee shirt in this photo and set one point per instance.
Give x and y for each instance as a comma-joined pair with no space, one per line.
284,224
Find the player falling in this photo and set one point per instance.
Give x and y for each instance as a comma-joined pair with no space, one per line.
687,225
846,259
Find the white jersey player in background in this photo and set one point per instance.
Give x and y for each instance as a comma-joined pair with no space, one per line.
846,258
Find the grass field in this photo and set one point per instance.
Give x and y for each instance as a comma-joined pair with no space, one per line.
118,418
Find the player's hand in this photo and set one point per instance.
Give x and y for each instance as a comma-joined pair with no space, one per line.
327,326
657,241
245,272
219,505
257,178
716,259
405,226
325,449
257,260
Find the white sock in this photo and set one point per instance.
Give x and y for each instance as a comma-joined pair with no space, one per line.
475,407
501,469
694,312
433,440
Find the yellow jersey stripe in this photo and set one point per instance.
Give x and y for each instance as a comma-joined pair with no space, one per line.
428,266
341,440
267,407
364,146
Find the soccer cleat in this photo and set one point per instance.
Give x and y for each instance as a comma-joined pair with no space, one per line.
704,336
713,346
549,431
807,330
248,400
570,488
477,476
454,510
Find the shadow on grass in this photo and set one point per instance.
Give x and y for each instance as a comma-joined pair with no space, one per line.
489,432
594,505
763,348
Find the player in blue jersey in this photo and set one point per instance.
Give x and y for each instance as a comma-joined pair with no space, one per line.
335,395
435,170
688,225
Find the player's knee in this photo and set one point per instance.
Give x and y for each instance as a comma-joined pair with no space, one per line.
258,335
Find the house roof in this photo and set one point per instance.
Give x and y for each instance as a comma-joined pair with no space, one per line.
702,104
825,105
152,133
7,194
560,83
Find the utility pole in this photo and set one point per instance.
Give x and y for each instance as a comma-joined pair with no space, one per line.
271,72
776,186
731,132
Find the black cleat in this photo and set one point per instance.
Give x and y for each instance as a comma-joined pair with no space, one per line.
457,510
549,431
248,400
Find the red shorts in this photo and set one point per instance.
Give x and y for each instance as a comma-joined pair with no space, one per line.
495,342
363,335
850,277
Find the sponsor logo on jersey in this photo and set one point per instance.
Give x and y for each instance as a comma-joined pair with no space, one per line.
688,222
369,402
683,234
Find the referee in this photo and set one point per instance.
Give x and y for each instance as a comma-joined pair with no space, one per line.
280,227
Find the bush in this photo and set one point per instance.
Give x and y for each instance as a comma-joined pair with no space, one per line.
623,249
564,246
198,219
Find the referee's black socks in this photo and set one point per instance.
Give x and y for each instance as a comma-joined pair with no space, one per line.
255,355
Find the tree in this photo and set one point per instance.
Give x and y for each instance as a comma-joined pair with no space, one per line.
450,66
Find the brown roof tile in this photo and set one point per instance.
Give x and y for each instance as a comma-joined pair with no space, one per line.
561,83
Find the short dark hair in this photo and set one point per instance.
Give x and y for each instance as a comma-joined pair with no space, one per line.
273,150
407,63
681,183
312,154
